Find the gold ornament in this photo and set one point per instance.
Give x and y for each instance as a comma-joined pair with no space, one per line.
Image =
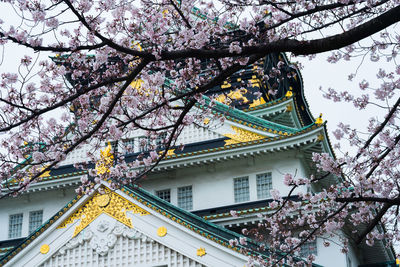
241,136
289,93
201,252
44,249
238,95
319,120
257,102
225,85
170,152
109,203
105,162
161,231
102,200
255,82
221,98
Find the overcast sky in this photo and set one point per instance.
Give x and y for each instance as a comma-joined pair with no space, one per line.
317,72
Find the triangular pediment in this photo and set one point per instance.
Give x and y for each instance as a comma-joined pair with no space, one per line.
108,242
129,227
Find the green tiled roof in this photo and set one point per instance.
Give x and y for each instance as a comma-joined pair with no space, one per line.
197,224
194,223
232,113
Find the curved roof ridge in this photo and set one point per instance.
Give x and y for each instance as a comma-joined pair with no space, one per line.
232,113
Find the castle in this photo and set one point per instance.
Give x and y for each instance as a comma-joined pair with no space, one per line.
181,214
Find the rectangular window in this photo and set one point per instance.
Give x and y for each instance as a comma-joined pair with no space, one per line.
241,189
160,140
308,248
264,185
164,194
144,144
15,226
114,146
129,146
35,220
185,198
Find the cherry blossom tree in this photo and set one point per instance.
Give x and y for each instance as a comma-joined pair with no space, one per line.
118,66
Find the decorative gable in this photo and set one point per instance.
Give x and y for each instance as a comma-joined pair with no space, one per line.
107,242
125,228
109,203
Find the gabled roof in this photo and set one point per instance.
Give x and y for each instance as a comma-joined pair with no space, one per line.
221,147
250,123
251,89
150,216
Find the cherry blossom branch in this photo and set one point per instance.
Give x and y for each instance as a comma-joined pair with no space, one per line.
105,40
181,14
214,82
61,103
297,47
372,224
377,161
39,48
286,45
312,233
391,201
97,126
381,126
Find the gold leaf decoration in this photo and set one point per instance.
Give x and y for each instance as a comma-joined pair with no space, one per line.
105,162
201,252
238,95
161,231
221,98
44,249
255,82
257,102
319,120
241,136
109,203
170,152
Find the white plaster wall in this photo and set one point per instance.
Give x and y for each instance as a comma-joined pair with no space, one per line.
330,256
48,201
212,184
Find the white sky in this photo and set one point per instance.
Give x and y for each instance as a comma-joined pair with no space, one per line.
316,73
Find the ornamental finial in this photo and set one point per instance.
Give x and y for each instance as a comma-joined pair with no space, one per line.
319,120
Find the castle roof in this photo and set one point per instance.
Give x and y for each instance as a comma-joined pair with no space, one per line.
136,209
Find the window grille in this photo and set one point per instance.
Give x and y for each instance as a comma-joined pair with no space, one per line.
160,141
144,144
15,226
264,185
308,248
114,147
241,189
129,146
35,220
185,198
164,194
